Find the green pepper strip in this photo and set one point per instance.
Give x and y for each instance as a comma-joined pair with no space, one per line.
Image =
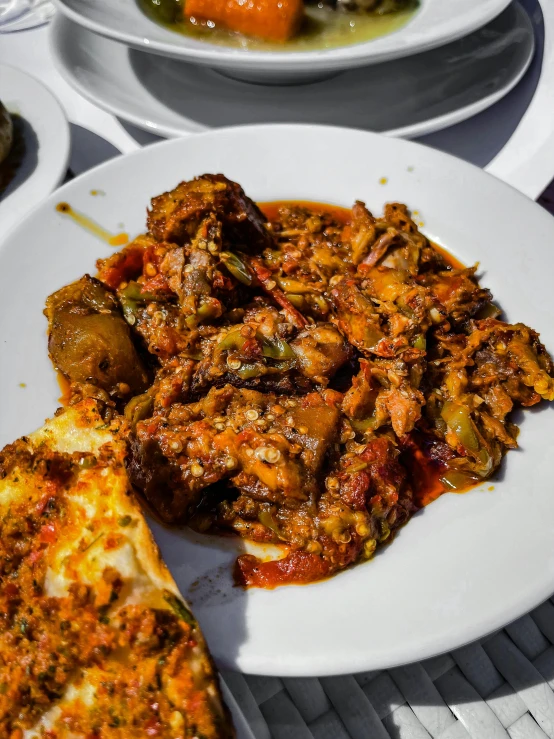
134,291
130,298
363,424
233,340
249,370
275,348
420,342
139,408
271,348
237,267
458,420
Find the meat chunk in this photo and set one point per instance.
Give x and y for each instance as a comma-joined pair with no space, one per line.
273,448
384,392
356,317
176,215
458,292
368,500
362,232
320,352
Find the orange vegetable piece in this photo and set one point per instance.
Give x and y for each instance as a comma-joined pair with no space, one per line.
273,20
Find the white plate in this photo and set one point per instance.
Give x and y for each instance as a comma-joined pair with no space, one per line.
416,96
46,136
464,566
436,23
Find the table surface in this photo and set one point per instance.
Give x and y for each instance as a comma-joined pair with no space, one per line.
500,688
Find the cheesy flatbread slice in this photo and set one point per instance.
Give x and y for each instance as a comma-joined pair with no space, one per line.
95,640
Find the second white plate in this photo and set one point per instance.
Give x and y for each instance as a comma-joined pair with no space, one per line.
43,127
408,97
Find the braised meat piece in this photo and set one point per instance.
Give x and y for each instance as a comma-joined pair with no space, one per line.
458,292
273,448
321,351
385,392
176,215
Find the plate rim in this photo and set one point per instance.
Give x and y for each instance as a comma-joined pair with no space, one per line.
417,653
63,24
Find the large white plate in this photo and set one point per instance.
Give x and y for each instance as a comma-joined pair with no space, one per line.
464,566
415,96
437,22
46,137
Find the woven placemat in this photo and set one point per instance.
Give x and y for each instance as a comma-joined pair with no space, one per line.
498,688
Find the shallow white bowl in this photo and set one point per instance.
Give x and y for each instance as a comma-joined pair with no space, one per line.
436,22
464,566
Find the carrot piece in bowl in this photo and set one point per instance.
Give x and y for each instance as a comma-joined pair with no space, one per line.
273,20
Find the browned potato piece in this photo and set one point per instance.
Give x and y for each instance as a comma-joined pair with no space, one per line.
89,342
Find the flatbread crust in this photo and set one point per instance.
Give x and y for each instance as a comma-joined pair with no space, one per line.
95,638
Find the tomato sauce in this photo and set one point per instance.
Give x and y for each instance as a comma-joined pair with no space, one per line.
337,212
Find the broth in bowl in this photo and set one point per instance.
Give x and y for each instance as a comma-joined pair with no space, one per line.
289,27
